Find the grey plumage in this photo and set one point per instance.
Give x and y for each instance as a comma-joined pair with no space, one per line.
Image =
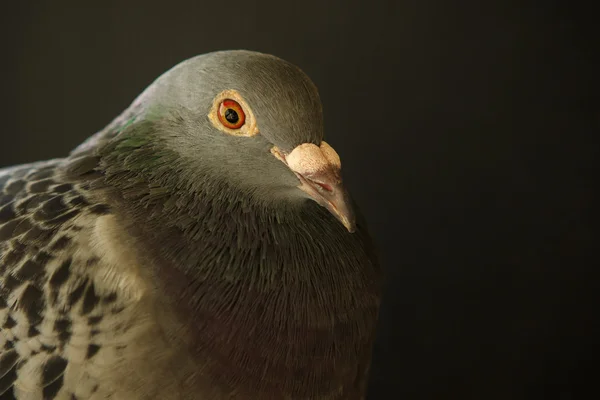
165,258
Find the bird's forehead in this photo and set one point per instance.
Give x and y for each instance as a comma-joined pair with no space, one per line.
254,70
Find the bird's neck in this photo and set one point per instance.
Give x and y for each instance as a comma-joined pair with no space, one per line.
271,307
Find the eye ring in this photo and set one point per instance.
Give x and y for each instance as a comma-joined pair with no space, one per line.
231,114
230,99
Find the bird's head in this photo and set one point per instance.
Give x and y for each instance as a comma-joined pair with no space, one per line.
251,120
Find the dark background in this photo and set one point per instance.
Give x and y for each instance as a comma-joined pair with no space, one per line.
465,130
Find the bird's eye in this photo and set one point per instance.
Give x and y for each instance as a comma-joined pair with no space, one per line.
231,114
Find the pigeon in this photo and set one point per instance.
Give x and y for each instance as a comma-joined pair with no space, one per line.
201,246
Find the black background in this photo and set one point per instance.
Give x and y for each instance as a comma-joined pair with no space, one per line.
465,131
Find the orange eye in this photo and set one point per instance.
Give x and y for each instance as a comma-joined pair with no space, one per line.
231,114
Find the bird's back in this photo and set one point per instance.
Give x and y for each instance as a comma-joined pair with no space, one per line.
62,322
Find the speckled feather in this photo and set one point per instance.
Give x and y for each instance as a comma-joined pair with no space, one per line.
165,260
55,315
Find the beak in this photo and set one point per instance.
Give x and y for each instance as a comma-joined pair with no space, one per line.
319,171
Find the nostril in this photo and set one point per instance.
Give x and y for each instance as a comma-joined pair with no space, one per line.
322,185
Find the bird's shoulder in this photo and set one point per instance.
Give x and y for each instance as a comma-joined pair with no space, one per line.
62,296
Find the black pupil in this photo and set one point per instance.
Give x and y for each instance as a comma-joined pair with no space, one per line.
231,116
